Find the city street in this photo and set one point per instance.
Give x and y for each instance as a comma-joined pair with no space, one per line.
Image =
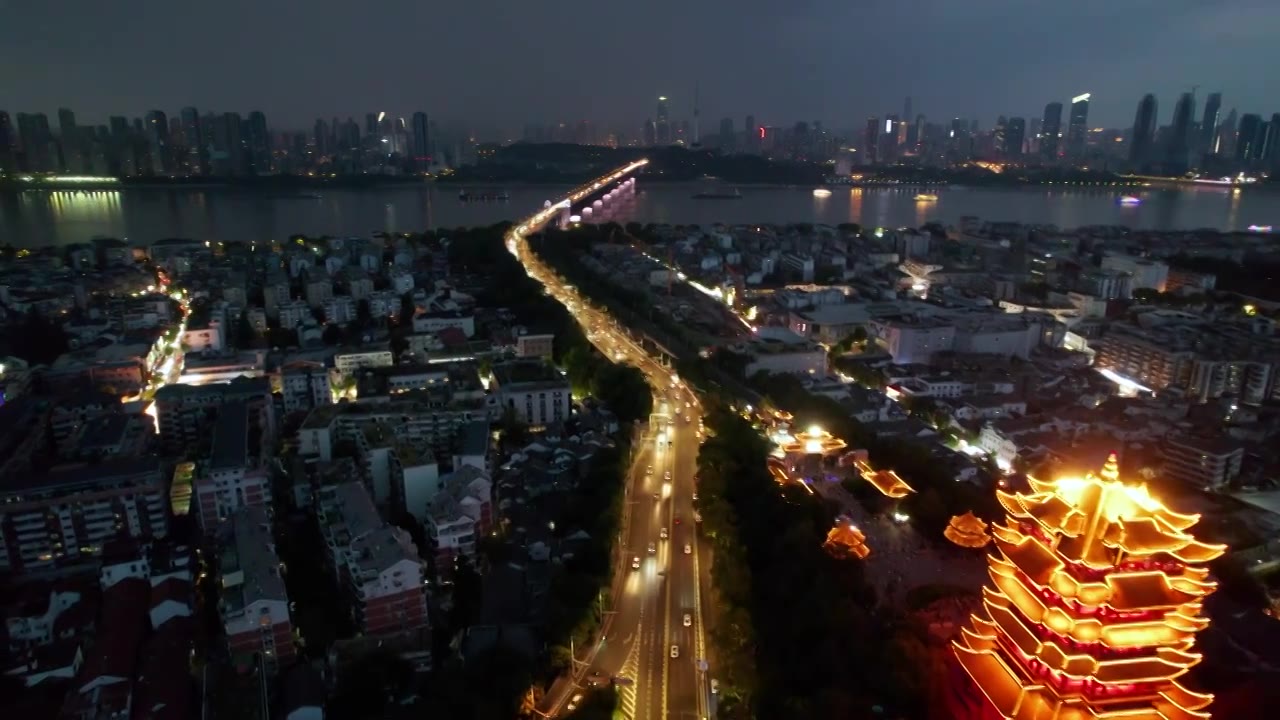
658,660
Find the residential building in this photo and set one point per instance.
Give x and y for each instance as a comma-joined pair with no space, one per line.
375,564
232,478
535,345
1146,274
460,514
912,339
348,363
436,424
535,391
183,411
1206,463
304,385
253,602
69,513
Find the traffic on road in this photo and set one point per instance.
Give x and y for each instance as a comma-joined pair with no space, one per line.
653,646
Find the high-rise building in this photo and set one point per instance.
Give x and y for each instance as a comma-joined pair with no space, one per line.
371,127
1015,136
36,142
1209,126
1178,149
915,135
74,155
157,134
1249,138
1094,602
889,139
1271,144
662,125
1144,132
421,141
259,141
1078,127
997,135
906,109
320,135
871,141
231,151
194,142
1034,131
751,134
1225,141
7,162
726,135
1051,132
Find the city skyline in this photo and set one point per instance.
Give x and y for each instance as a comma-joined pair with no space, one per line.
786,63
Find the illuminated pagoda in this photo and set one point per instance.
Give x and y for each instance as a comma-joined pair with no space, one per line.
967,530
1092,615
805,451
846,540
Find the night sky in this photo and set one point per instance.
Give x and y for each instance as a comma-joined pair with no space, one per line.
498,64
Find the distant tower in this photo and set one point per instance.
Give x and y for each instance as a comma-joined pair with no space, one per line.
1225,140
157,133
1249,138
906,109
1178,152
1051,132
697,128
1209,126
421,141
1144,132
1015,136
1078,126
663,122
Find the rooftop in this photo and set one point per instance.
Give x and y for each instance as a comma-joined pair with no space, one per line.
524,372
78,477
249,552
230,437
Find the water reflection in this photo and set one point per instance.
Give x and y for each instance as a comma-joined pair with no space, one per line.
35,218
77,205
855,205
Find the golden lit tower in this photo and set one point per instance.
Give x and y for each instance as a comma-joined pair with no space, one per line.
1093,610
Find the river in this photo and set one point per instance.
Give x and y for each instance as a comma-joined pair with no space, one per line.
141,216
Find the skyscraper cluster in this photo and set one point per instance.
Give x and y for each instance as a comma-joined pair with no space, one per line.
1212,144
195,144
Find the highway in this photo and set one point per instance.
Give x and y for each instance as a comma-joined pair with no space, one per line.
660,661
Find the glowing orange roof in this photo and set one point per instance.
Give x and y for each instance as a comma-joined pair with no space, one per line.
846,539
886,481
814,441
967,530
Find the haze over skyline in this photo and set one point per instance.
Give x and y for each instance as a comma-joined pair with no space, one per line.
493,64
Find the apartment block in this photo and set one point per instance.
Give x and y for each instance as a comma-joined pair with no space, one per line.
460,513
376,565
1207,463
69,513
184,411
253,602
304,385
231,478
536,392
433,423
